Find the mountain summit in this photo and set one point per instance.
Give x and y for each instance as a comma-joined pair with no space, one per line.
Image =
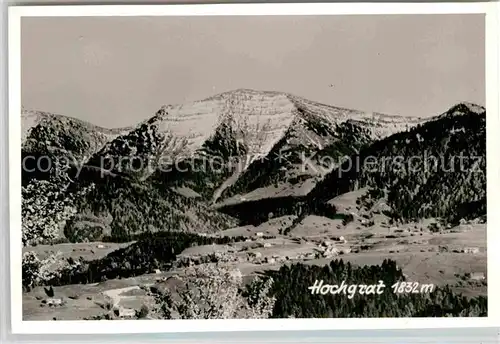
240,129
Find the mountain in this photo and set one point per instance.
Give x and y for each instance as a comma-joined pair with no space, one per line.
65,133
242,142
250,155
50,138
436,169
105,205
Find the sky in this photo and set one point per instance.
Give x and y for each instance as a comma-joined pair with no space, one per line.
117,71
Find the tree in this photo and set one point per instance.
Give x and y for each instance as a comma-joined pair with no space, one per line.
211,291
45,209
36,271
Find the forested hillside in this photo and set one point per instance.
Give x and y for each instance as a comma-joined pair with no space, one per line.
294,299
437,169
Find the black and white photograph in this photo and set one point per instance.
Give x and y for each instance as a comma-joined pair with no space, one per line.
253,167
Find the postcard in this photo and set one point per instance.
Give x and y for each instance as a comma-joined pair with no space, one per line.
190,168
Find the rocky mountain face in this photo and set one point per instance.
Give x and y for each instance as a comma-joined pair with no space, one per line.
244,143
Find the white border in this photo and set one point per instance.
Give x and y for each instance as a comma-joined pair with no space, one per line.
152,326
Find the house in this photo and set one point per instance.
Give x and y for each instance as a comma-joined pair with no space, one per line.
477,276
471,250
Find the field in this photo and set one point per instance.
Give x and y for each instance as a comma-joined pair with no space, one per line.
453,256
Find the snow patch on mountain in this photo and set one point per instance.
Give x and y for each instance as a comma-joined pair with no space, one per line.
260,119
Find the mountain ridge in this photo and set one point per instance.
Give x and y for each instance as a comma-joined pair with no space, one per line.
254,120
448,188
259,139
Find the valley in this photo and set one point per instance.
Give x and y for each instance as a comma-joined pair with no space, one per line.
448,258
